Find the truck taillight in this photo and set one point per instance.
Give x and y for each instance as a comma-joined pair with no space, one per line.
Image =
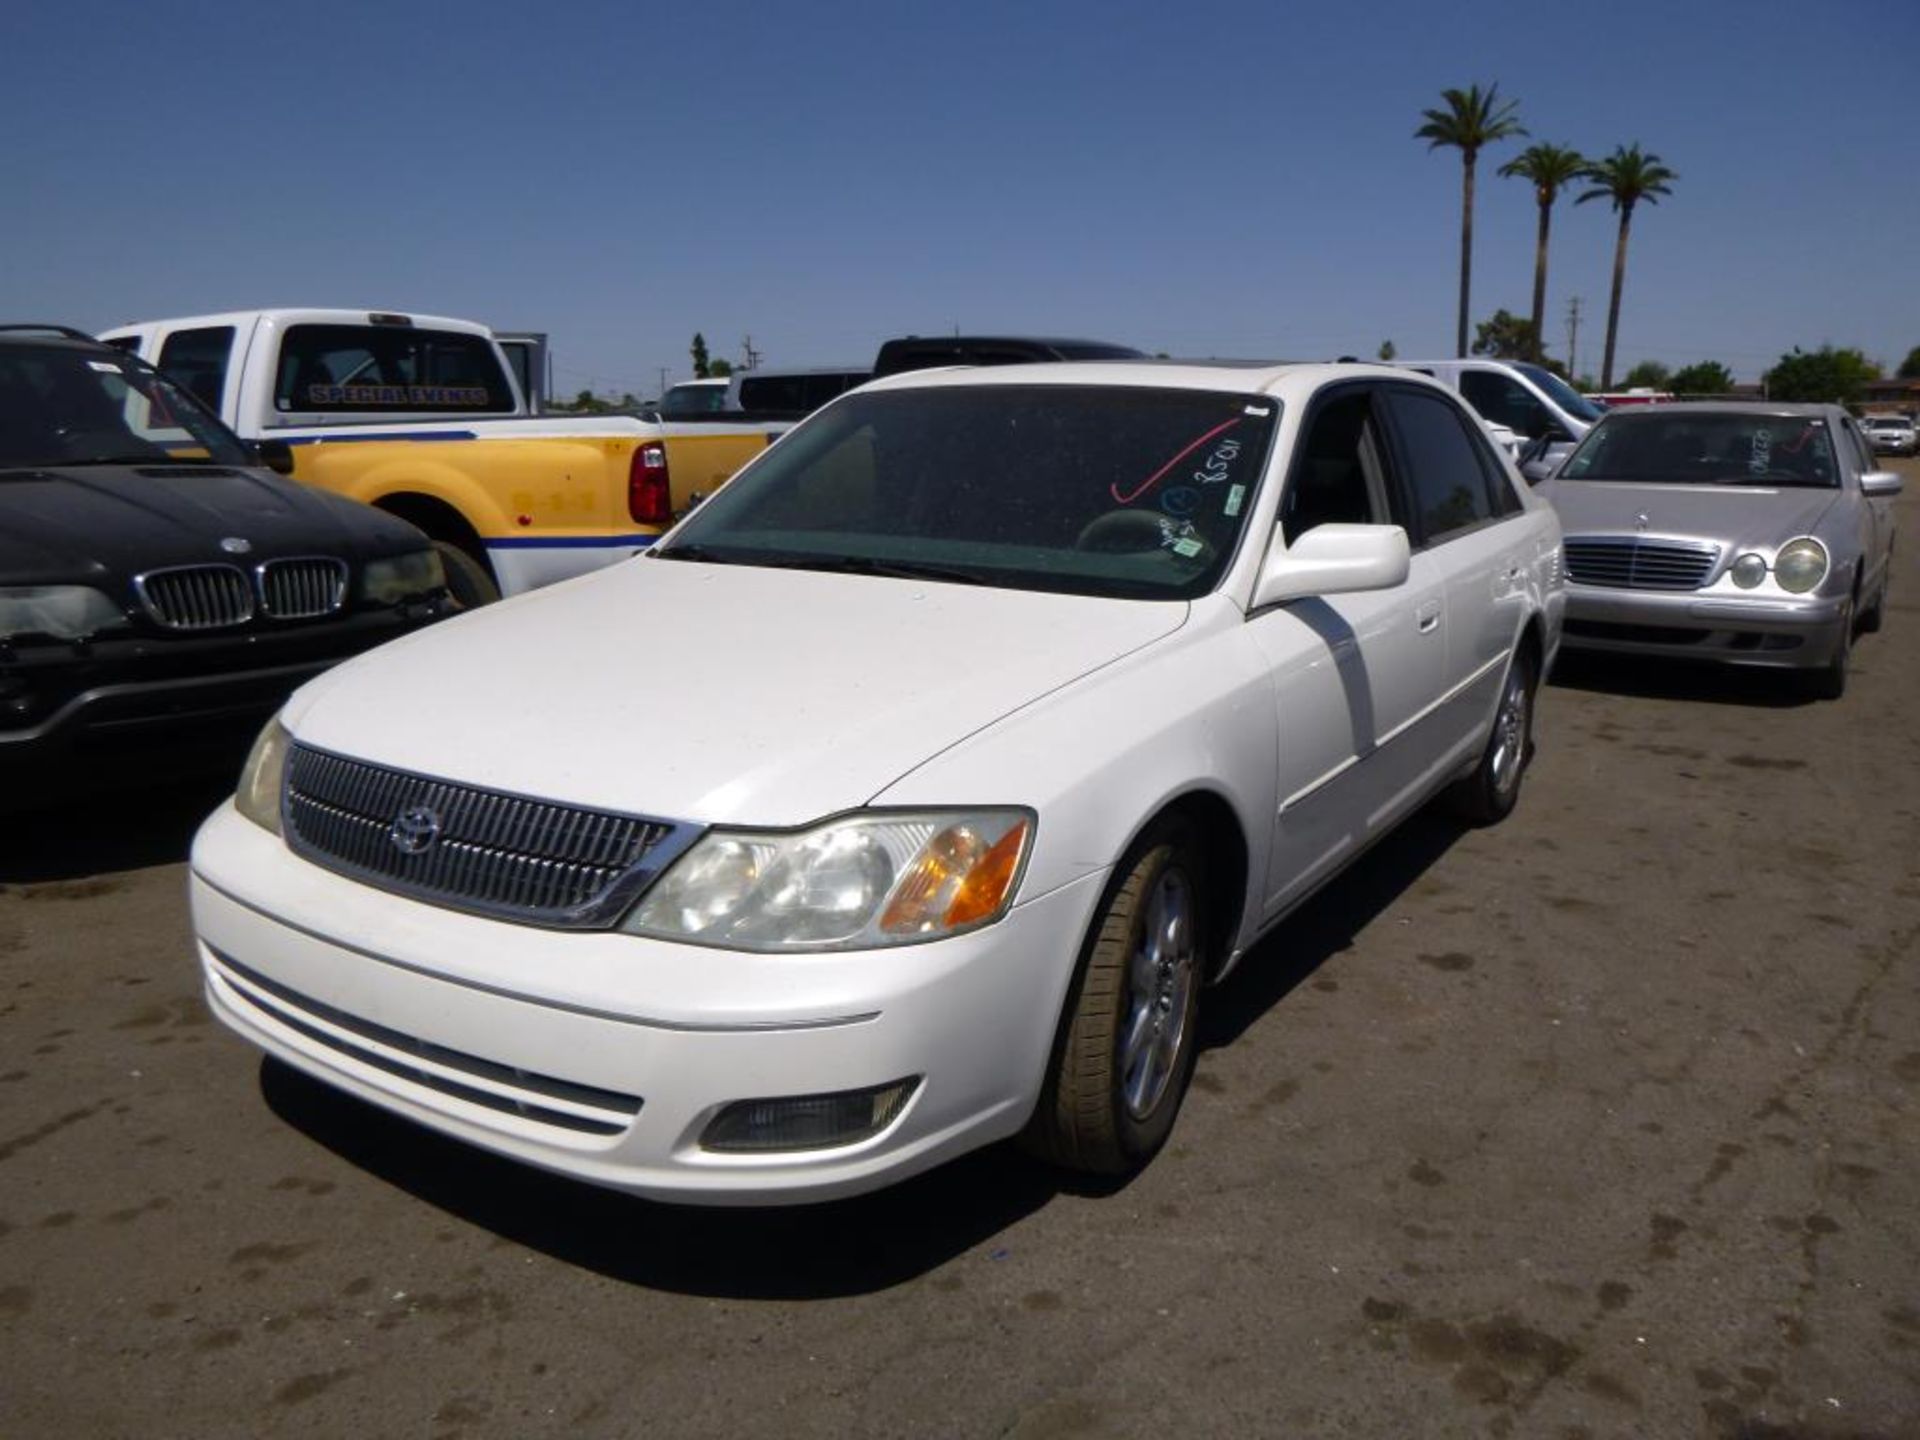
649,497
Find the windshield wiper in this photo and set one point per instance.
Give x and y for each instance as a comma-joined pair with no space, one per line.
695,552
865,565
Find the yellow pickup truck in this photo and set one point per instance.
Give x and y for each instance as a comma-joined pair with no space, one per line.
420,416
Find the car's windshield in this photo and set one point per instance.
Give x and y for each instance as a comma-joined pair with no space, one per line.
1094,490
1667,447
61,406
1561,393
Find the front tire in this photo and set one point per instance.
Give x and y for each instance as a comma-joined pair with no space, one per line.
1488,795
1127,1042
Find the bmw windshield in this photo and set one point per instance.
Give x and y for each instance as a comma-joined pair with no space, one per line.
1112,491
63,405
1661,446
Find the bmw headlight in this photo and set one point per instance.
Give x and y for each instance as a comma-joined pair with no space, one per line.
851,884
1801,565
258,797
402,577
66,612
1749,570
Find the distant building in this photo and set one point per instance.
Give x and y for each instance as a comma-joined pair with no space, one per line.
1900,395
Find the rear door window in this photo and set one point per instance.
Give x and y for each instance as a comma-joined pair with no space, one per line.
1444,469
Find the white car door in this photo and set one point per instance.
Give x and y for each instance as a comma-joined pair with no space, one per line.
1356,677
1470,522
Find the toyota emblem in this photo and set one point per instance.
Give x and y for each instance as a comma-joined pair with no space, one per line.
415,831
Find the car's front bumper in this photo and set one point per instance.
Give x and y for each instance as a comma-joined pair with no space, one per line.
1773,631
606,1056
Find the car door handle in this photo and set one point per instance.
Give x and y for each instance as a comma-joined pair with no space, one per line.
1427,618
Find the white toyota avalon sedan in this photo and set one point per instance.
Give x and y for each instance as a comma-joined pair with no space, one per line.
906,796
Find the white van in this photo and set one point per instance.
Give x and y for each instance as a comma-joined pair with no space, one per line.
1544,411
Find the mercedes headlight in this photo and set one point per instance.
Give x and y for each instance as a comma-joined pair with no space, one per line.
1801,565
1749,570
850,884
65,612
402,577
258,797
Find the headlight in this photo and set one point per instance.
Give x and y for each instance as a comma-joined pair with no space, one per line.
1749,570
259,795
402,577
852,884
66,612
1800,565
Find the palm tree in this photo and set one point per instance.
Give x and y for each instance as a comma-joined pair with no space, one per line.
1472,119
1626,177
1548,167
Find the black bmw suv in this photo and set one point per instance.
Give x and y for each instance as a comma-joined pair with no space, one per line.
161,591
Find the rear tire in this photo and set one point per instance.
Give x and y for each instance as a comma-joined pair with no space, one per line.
1488,795
1126,1046
468,581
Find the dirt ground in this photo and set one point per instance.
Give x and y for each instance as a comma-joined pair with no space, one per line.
1598,1123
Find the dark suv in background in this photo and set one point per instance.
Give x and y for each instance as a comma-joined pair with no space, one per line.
161,592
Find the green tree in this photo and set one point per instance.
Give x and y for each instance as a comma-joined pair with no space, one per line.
1910,367
1547,168
1626,177
1471,120
719,368
1821,375
1705,377
699,353
1648,375
1387,352
1506,337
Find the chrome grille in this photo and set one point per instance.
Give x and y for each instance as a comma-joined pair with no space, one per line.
301,589
467,848
196,597
1629,563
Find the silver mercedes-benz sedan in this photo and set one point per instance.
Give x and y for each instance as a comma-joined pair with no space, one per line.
1754,534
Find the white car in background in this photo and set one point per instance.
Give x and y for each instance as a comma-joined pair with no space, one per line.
1003,709
1891,434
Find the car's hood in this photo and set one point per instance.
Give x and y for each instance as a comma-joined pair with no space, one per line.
1738,516
74,523
715,693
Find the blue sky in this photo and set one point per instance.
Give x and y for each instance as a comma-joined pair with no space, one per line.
1199,178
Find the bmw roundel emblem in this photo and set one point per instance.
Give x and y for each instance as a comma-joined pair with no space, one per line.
236,545
415,831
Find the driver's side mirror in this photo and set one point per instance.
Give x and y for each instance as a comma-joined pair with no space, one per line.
1335,559
1879,483
276,455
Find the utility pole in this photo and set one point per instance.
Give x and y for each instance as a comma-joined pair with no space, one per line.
1573,338
663,382
753,355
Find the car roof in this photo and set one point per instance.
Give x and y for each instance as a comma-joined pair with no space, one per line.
305,316
1289,381
54,337
1780,409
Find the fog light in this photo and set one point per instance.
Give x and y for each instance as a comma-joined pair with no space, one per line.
807,1122
1749,570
